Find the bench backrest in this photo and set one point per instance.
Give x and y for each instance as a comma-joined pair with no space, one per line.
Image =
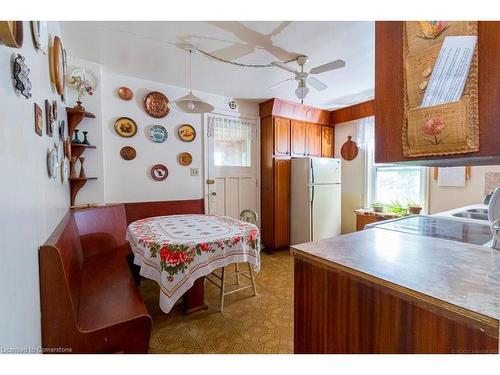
142,210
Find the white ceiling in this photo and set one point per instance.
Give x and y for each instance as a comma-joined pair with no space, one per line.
153,51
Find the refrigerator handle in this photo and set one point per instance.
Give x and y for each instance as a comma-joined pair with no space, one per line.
311,194
312,172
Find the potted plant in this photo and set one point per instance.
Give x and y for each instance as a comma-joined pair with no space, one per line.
397,208
377,207
414,208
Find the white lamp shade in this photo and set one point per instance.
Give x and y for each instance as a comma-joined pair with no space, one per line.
192,104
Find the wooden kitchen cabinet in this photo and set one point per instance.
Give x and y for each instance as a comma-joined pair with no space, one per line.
281,128
389,98
313,140
298,137
327,139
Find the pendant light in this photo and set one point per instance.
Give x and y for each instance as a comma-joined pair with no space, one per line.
190,103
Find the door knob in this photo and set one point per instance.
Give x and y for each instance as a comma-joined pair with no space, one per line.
213,193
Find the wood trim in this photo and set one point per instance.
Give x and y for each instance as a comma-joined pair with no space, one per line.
353,112
140,210
294,111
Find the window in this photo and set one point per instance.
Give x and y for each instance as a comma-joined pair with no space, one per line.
388,183
232,142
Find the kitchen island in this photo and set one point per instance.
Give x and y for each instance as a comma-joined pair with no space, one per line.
382,291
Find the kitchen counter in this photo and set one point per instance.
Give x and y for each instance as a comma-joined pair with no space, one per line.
442,276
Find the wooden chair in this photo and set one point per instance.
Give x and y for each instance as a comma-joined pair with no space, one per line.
250,216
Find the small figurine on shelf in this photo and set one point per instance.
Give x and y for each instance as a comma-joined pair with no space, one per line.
85,140
84,87
82,171
75,138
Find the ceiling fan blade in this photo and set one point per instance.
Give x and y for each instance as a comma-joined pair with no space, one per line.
317,84
281,83
284,66
332,65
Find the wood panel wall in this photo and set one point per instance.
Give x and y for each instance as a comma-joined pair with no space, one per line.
353,112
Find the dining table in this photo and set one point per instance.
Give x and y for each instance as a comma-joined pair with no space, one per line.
178,251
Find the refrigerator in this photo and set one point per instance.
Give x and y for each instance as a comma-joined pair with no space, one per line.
315,199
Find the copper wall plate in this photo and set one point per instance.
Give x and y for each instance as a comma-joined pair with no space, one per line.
128,153
125,127
58,67
125,93
156,104
11,33
349,149
187,133
185,158
159,172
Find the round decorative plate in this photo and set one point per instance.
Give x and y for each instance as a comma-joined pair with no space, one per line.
64,170
52,162
125,127
156,104
185,158
58,67
11,33
158,133
187,133
159,172
128,153
40,35
125,93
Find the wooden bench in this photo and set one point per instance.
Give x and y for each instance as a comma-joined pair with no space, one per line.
89,300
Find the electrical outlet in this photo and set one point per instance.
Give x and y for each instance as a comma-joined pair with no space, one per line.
194,172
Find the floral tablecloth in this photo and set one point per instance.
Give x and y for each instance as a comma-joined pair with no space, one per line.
176,250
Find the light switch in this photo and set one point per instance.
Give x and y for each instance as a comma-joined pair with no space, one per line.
194,172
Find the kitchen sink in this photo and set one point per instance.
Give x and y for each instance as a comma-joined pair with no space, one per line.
479,210
476,214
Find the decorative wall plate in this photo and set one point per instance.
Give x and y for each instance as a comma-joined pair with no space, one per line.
125,127
185,158
187,133
40,35
349,149
61,130
128,153
38,120
64,170
156,104
21,76
11,33
53,162
125,93
158,133
159,172
57,64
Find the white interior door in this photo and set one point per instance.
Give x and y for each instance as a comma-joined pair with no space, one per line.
232,176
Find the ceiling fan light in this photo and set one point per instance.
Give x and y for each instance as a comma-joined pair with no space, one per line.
190,103
301,91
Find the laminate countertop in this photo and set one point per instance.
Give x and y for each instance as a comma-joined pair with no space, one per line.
458,276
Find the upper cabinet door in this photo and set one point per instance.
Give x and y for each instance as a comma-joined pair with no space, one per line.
298,137
313,138
281,136
327,137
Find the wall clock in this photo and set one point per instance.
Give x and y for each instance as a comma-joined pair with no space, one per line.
125,127
58,69
40,35
159,172
187,133
156,104
158,133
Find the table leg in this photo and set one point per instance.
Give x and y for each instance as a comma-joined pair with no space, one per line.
193,301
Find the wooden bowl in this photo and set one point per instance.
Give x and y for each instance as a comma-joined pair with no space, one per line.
125,93
11,33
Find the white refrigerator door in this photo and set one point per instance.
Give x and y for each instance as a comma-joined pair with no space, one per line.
326,201
325,171
300,202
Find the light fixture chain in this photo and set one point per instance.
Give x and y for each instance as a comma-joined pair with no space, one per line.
241,64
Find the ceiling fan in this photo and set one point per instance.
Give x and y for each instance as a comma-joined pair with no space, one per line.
305,78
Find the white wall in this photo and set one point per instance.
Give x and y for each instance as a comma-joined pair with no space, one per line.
31,203
129,181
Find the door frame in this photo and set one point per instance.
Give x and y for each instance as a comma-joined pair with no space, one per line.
252,118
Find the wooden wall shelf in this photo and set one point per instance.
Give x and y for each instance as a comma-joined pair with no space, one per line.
75,116
75,184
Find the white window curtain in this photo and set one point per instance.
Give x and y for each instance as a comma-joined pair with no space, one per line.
365,139
232,139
